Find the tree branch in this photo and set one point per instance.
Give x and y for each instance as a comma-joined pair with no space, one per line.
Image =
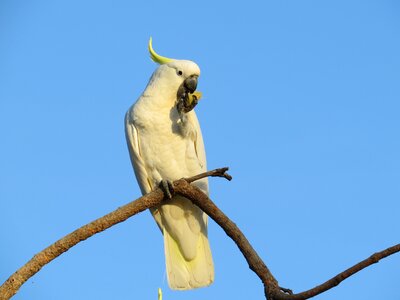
336,280
10,287
256,264
271,288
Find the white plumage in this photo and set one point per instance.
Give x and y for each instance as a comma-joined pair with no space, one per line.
167,145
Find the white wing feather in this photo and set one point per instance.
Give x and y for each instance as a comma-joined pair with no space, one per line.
143,179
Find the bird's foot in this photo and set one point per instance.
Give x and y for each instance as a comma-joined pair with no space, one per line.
190,103
187,102
167,187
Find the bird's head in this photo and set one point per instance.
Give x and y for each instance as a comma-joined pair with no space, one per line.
178,76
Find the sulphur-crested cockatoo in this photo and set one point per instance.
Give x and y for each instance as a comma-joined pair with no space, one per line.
165,144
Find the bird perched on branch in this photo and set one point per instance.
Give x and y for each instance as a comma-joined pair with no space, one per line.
165,144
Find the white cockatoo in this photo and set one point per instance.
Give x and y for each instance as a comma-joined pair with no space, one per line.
165,144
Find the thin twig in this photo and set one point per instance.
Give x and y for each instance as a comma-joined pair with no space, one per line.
214,173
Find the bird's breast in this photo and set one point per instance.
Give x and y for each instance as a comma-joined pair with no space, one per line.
167,144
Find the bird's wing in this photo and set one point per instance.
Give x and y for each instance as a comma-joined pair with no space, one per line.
200,152
133,141
201,155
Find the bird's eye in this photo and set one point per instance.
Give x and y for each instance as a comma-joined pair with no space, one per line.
179,72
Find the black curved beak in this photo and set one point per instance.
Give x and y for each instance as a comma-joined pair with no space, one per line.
190,83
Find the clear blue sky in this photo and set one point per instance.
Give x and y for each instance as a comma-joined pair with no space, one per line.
301,101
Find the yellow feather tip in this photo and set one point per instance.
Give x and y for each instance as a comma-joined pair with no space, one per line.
156,57
159,294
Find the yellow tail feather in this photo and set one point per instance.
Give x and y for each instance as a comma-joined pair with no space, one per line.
183,274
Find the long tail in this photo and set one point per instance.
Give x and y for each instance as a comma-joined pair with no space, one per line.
186,275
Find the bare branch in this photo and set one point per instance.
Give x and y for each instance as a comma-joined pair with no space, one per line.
16,280
255,262
271,287
183,187
373,259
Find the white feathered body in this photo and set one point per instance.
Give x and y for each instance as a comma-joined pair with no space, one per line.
165,145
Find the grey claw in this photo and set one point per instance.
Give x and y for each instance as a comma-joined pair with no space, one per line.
167,187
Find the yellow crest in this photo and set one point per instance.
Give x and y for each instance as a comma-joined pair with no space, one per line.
155,57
